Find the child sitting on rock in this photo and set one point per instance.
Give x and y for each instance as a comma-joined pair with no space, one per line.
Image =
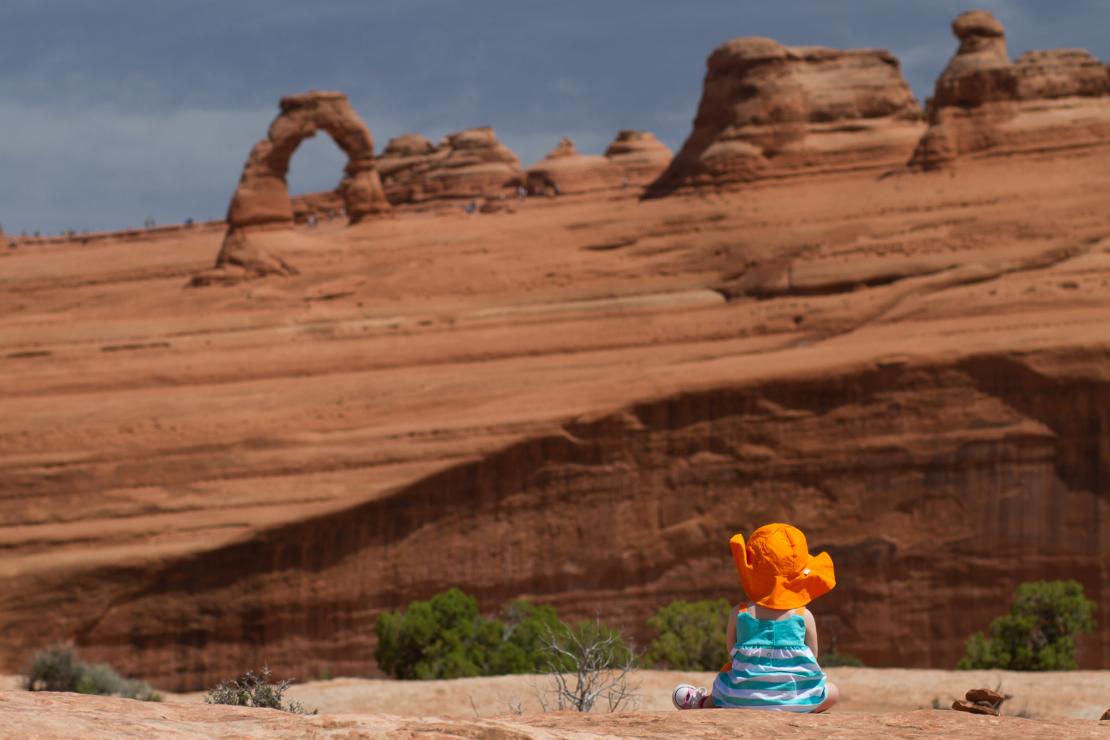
772,638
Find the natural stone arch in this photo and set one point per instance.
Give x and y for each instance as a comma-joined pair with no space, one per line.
262,197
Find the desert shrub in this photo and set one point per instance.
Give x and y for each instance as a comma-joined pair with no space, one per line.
1039,632
446,637
524,626
57,669
690,636
255,690
586,662
54,669
443,637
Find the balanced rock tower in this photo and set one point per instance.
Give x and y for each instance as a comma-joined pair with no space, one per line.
261,201
769,110
985,105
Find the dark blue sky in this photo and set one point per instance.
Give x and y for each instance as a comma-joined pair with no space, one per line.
113,110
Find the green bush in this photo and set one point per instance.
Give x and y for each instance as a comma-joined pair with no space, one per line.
524,626
690,636
1038,633
57,669
255,690
54,669
443,637
446,637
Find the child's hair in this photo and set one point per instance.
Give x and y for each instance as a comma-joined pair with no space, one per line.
776,569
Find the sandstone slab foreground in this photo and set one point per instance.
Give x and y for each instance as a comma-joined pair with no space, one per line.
36,715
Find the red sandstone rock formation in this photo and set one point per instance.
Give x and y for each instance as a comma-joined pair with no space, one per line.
985,105
262,197
579,407
769,110
640,155
466,164
318,204
564,170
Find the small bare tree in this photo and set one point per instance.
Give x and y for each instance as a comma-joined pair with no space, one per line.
587,663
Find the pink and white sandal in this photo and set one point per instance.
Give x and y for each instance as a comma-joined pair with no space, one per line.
686,696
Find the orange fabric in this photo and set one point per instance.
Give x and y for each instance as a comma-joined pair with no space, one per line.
776,569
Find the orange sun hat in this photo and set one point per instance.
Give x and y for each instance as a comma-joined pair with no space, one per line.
776,569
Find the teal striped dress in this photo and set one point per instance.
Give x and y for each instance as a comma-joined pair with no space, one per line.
772,668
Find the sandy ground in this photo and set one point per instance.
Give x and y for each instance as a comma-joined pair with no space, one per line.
877,704
1063,695
38,715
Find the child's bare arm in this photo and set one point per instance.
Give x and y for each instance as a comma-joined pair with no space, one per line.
811,631
730,633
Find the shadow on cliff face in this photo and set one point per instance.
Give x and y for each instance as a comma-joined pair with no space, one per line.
1076,409
936,489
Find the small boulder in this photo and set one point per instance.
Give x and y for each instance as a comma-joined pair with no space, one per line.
974,708
988,695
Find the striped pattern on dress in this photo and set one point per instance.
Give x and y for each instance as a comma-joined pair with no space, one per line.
772,667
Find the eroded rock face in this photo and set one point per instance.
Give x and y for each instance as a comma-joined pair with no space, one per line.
262,197
984,104
640,155
909,511
465,164
564,170
769,110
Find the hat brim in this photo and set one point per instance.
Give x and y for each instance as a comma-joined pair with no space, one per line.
781,592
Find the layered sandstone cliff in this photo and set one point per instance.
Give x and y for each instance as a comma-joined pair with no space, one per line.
1000,471
769,110
566,171
986,105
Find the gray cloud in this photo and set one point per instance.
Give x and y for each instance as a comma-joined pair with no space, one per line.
119,109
